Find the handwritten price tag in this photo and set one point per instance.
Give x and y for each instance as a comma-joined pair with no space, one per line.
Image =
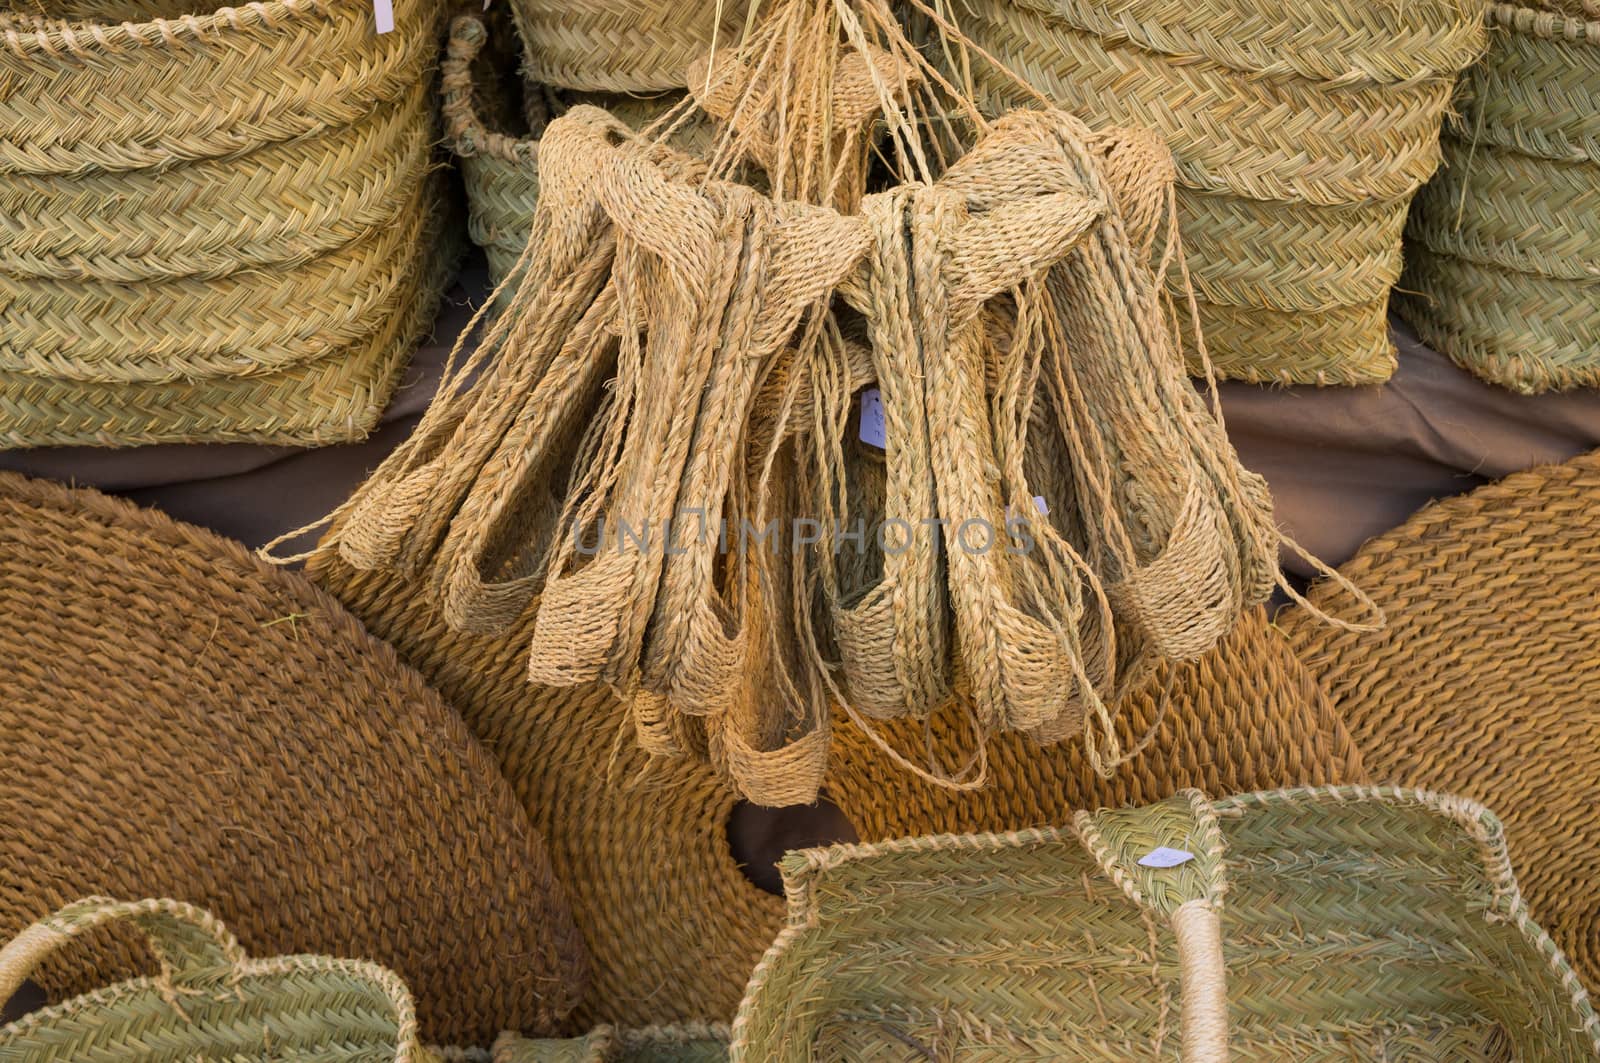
872,430
383,15
1161,856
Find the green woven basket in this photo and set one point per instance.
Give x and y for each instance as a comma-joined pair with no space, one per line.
213,227
502,170
1538,88
689,1043
1503,265
1314,925
1300,137
208,1001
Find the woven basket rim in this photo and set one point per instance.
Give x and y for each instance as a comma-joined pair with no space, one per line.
380,979
83,37
1469,813
1547,25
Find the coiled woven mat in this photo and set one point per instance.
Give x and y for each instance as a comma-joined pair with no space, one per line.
640,843
1484,683
180,719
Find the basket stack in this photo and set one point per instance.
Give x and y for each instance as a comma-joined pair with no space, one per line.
494,128
213,227
1301,131
1503,264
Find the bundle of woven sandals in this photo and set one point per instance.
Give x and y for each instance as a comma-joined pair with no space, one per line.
766,428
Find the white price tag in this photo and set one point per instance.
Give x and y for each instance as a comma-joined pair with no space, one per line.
383,15
872,430
1161,856
1041,506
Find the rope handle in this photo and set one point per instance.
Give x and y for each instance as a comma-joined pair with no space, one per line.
468,132
185,939
1202,977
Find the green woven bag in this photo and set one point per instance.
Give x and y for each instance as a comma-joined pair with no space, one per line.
1323,925
687,1043
208,1001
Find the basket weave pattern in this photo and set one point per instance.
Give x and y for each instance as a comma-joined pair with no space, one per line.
256,268
673,926
256,751
1329,924
1503,270
1484,681
622,45
208,1000
1300,142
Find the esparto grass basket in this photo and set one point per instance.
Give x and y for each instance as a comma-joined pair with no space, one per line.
217,227
1484,681
179,718
687,1043
1299,147
500,162
623,45
208,1000
639,842
1313,924
1503,266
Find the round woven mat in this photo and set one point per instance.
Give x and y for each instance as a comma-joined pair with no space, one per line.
179,719
1484,682
672,924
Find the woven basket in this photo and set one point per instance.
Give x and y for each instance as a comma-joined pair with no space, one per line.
209,1001
698,1043
1484,681
1503,272
255,751
673,925
1299,142
623,45
1327,924
1348,44
502,169
250,271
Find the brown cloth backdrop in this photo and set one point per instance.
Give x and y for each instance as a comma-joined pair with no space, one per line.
1344,463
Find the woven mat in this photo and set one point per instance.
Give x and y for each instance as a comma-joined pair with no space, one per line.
1484,682
672,924
179,719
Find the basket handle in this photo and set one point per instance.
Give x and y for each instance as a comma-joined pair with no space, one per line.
464,126
184,938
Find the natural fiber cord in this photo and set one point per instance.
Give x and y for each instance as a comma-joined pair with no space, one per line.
179,718
1484,681
673,926
1503,268
1318,924
256,266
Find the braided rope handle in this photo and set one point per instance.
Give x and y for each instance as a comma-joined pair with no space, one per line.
184,938
468,133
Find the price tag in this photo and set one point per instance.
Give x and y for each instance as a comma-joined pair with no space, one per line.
383,15
1041,506
872,430
1161,856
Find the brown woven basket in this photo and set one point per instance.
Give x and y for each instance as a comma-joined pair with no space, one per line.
1299,149
623,45
1484,681
180,719
253,267
672,924
1503,272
